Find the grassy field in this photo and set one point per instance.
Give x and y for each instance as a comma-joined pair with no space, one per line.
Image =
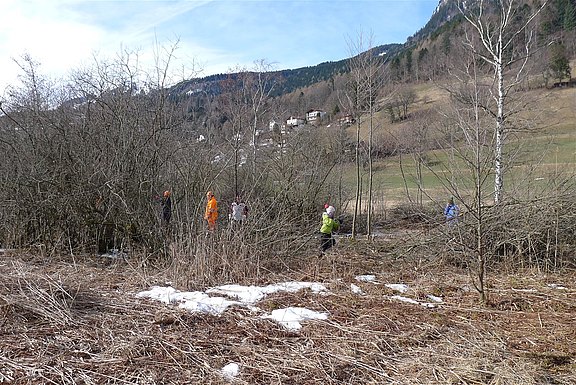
544,152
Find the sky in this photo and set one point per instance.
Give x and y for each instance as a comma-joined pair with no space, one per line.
210,36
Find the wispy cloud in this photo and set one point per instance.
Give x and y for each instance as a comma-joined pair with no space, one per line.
218,34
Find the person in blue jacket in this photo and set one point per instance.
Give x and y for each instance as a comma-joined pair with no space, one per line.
451,212
329,224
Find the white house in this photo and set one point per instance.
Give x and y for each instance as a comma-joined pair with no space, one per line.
315,116
295,122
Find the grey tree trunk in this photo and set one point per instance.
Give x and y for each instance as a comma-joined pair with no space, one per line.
358,181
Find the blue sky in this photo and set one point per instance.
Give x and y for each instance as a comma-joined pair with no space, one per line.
214,36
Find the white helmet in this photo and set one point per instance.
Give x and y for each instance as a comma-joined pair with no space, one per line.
330,210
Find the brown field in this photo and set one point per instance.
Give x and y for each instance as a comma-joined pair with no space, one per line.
76,320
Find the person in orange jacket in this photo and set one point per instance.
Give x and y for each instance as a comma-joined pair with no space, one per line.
211,214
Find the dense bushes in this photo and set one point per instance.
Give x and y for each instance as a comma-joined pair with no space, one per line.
84,175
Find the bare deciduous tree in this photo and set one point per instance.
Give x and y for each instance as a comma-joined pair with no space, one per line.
470,122
504,42
361,98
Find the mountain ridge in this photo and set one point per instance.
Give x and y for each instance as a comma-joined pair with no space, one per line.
423,49
293,79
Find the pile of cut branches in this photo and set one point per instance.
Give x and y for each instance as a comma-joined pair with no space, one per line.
79,322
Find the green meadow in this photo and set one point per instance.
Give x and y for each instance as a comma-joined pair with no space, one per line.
536,159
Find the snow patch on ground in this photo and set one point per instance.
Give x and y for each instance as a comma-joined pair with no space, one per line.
356,290
413,301
230,371
291,317
366,278
218,299
404,299
398,287
433,298
238,295
556,286
253,294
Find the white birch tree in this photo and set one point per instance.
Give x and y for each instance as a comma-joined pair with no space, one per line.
504,40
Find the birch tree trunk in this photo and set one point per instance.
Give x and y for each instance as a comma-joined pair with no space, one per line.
500,34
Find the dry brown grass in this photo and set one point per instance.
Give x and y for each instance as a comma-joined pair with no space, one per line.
77,321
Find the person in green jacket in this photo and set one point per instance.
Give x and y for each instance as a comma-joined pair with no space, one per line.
329,224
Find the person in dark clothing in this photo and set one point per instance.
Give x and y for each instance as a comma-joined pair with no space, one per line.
166,208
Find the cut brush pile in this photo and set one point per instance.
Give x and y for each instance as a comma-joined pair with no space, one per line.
78,321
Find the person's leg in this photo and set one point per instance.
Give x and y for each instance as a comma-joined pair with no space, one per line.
326,242
323,242
329,241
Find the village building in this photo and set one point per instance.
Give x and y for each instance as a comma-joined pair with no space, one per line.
346,120
315,117
295,122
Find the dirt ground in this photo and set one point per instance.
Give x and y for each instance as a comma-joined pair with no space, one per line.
77,321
